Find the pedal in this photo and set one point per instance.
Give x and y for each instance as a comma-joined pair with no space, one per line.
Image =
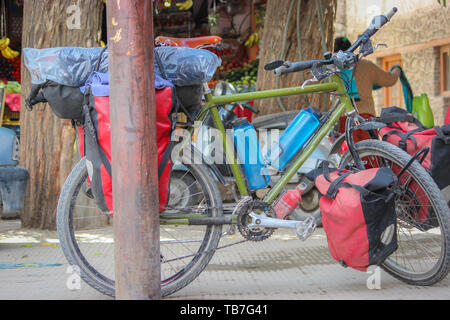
305,228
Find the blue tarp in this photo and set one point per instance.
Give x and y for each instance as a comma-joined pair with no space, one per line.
186,66
70,66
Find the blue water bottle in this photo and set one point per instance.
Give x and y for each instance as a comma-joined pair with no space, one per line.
250,156
293,138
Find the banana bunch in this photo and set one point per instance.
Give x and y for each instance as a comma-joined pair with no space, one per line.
252,40
6,51
183,6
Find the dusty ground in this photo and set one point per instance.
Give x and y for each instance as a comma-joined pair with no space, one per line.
282,267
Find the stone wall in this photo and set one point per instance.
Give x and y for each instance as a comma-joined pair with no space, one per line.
416,22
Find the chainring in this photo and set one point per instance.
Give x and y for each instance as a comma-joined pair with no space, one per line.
243,219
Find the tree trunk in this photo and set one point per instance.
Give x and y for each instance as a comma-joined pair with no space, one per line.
47,142
277,13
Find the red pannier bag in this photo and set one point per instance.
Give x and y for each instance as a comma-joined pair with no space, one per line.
406,132
95,144
358,214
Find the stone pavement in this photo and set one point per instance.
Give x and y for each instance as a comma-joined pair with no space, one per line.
280,268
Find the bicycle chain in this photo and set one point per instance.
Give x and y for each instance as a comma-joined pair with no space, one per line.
243,210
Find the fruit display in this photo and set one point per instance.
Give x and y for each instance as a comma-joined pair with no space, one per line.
240,30
12,87
186,5
232,56
6,51
244,79
252,40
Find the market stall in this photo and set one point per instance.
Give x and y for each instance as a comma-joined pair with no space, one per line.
10,60
238,23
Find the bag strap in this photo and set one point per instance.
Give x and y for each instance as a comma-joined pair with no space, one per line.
325,170
404,137
335,185
166,156
398,117
89,125
339,183
363,191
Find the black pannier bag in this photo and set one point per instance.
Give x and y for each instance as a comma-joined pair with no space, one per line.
66,102
190,98
358,214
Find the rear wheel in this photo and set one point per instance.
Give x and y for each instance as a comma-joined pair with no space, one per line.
422,257
87,238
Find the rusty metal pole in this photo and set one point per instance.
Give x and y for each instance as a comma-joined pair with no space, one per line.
133,136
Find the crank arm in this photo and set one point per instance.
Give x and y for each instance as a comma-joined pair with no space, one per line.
263,221
303,228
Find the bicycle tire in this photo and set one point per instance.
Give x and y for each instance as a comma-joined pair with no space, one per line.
371,151
101,278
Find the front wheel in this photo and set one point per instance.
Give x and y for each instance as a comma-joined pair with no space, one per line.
87,238
423,254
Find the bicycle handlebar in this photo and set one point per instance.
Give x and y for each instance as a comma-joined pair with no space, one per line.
376,24
299,66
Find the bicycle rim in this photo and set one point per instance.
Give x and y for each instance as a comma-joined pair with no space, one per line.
87,236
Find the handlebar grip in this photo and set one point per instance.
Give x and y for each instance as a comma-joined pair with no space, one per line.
301,65
378,22
391,13
295,66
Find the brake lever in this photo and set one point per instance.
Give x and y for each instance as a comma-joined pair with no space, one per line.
313,79
380,45
367,48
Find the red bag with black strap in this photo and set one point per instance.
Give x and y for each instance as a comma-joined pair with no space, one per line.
405,131
358,214
95,145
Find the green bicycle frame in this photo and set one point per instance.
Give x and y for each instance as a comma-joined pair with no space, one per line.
336,85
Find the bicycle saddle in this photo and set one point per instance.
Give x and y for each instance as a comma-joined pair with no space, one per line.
188,42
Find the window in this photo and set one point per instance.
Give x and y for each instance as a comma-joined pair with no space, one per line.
445,70
393,96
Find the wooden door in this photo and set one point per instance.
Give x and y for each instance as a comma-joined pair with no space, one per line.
393,96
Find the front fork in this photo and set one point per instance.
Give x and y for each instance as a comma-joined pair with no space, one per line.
353,119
